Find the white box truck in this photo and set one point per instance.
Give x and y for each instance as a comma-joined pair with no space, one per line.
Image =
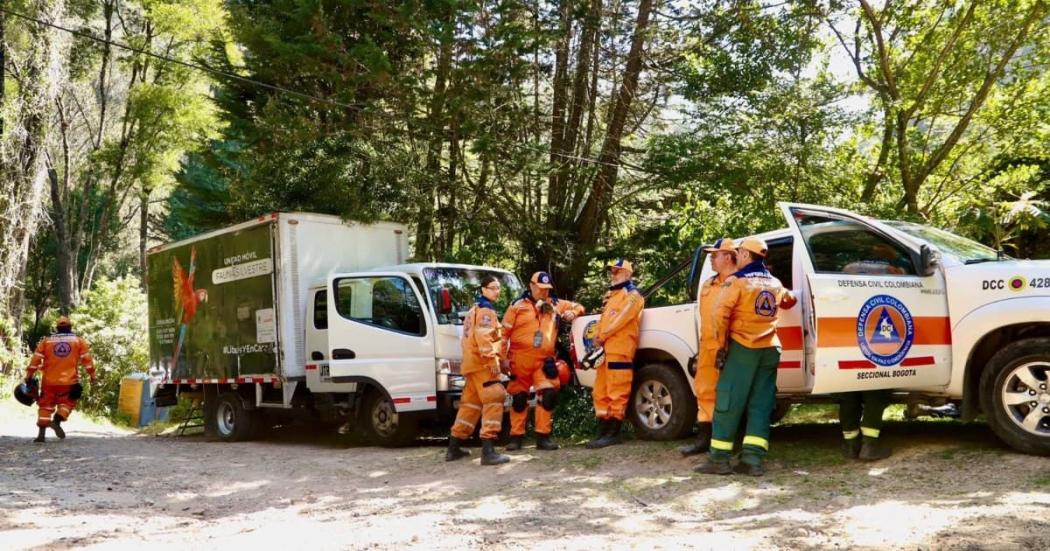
307,313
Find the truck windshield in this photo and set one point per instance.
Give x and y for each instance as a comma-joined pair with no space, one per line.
965,250
463,284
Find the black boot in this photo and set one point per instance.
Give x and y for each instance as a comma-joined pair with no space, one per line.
489,456
56,425
702,444
870,450
454,450
603,429
750,469
544,442
714,466
851,448
40,435
515,443
611,437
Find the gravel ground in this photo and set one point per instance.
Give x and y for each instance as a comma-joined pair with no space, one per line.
948,485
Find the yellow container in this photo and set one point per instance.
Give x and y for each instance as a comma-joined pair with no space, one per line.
130,400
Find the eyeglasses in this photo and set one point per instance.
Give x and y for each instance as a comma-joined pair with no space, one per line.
496,288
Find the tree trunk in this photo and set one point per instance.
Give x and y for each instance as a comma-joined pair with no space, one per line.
559,96
589,221
143,234
425,238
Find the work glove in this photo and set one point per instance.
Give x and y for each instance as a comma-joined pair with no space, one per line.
550,369
720,359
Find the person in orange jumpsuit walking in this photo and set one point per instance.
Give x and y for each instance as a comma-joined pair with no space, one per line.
483,393
723,261
530,334
58,357
618,330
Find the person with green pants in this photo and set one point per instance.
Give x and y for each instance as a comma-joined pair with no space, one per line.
749,354
860,414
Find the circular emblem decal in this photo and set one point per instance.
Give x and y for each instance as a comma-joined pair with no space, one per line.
1017,283
766,304
589,333
62,349
885,330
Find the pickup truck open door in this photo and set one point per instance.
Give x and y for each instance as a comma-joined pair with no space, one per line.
877,315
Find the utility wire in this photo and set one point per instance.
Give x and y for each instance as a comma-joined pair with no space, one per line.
275,88
187,64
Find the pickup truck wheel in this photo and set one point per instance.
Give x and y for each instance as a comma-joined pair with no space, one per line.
233,423
1015,395
384,425
662,406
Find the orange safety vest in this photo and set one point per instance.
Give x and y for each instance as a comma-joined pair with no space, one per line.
58,357
481,339
712,293
621,321
530,334
750,307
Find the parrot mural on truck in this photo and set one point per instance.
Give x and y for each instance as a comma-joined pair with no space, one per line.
186,299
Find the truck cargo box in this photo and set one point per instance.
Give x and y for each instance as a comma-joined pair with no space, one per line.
228,305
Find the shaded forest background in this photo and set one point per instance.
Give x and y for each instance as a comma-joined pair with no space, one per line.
527,134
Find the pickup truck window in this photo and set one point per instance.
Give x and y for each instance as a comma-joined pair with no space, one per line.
778,260
382,301
848,247
321,309
463,284
965,250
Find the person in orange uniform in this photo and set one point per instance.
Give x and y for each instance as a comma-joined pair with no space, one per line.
723,261
483,393
748,353
618,330
530,333
59,357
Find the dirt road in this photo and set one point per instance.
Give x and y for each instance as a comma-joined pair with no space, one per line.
948,486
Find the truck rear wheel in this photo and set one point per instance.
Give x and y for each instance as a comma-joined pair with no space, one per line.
384,425
1015,395
230,420
662,405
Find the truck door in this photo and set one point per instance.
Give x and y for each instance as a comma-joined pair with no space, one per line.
378,333
877,321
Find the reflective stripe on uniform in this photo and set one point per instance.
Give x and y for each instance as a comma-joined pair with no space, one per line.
721,445
471,406
492,423
850,434
756,441
870,433
467,423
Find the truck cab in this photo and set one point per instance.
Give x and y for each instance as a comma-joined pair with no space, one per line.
390,339
882,305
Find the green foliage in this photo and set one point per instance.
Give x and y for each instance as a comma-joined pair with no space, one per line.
574,414
112,317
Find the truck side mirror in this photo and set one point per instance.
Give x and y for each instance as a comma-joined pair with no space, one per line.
928,260
445,306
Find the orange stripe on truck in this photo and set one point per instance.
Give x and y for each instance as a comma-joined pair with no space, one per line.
790,337
842,332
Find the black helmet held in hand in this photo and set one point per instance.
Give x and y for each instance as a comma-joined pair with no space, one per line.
27,392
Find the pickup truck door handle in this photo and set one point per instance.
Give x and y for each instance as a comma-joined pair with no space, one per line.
343,354
316,356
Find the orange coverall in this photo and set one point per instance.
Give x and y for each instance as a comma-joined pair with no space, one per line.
618,330
711,294
483,395
58,357
530,337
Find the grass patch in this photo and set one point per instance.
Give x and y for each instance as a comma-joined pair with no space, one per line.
1042,480
806,414
806,454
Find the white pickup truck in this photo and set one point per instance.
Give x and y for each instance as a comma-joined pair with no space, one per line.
883,305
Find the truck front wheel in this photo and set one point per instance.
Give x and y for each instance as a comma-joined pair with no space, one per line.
1015,395
662,406
384,425
230,420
